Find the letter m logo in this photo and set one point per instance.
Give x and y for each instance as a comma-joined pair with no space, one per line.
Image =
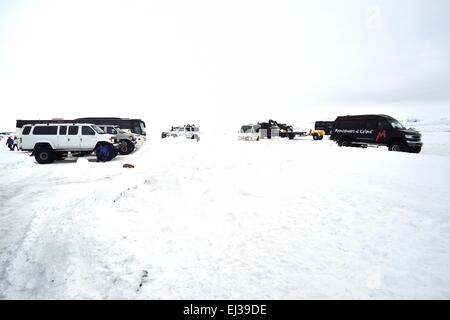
381,134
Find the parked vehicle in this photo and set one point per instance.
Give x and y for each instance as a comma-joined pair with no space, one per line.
380,130
249,132
136,126
273,128
51,142
326,126
187,131
127,140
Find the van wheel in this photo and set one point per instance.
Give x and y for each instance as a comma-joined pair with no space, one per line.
44,155
257,138
126,147
396,146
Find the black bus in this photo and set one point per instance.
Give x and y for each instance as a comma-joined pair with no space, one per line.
134,125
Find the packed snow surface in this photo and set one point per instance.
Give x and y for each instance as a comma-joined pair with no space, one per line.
228,219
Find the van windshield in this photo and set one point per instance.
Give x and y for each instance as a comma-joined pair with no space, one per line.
97,129
395,124
142,125
246,129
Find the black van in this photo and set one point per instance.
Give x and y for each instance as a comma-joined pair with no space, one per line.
375,130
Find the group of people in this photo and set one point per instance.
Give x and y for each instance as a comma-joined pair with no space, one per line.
11,142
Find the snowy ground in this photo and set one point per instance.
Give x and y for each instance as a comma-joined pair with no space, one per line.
226,219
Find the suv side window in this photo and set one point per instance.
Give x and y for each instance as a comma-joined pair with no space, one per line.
63,130
87,131
26,131
45,130
73,130
111,130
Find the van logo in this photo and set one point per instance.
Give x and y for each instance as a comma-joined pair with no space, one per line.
381,134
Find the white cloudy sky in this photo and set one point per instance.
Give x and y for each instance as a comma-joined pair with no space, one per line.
210,61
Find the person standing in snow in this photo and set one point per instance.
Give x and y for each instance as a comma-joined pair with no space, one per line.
15,144
10,143
102,153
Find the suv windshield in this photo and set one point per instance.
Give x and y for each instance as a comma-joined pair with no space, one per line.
395,124
245,129
141,124
97,129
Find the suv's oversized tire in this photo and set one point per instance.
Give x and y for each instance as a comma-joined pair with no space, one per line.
397,146
44,155
126,147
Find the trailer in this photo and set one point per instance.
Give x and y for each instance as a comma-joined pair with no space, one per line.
272,128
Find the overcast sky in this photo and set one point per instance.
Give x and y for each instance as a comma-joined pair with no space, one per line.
172,62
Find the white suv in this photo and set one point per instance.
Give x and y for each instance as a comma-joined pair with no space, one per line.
188,131
54,141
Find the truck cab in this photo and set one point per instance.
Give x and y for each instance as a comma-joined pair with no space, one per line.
249,132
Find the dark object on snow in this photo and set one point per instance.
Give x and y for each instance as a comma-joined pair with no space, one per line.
144,278
127,165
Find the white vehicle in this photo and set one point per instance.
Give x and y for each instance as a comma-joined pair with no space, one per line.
249,132
127,140
187,131
54,141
